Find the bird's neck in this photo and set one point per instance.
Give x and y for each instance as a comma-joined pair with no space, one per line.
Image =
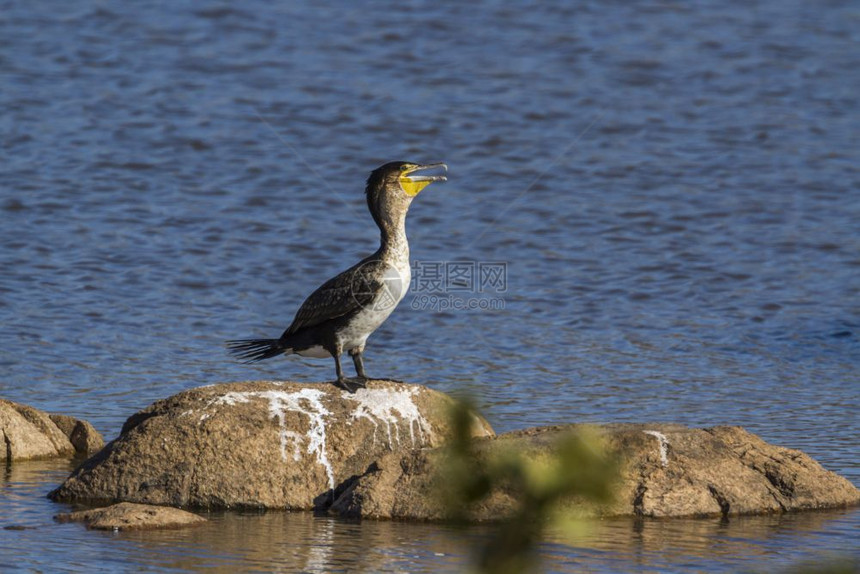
393,242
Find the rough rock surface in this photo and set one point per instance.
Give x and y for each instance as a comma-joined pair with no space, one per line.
29,433
83,436
260,444
128,516
666,470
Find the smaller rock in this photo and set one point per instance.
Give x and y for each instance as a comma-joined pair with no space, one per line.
29,433
65,423
83,436
129,516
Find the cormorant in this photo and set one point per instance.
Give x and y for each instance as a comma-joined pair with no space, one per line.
342,313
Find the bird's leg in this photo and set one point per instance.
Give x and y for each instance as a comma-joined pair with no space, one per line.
359,366
341,381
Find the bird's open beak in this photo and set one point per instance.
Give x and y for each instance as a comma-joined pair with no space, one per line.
413,184
428,178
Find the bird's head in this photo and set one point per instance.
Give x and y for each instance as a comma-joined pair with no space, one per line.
404,176
391,187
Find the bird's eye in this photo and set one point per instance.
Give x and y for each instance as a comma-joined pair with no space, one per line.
404,167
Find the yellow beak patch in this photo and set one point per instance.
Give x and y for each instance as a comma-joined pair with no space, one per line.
412,188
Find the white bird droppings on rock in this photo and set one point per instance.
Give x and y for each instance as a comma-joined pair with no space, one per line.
305,401
664,444
389,406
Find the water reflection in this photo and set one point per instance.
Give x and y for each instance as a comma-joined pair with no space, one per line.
23,488
712,543
302,542
291,542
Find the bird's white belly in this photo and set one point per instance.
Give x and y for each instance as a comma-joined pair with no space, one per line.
363,324
371,316
315,352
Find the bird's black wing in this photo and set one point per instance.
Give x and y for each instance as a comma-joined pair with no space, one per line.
341,295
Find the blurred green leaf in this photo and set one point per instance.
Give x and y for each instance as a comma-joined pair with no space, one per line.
546,479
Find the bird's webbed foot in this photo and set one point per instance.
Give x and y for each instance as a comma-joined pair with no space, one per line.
345,384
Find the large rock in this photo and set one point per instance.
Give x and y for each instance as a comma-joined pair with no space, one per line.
666,470
260,444
128,516
29,433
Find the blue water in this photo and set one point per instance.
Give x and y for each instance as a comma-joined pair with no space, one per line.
673,189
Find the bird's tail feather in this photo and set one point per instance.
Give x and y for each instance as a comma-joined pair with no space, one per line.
253,350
